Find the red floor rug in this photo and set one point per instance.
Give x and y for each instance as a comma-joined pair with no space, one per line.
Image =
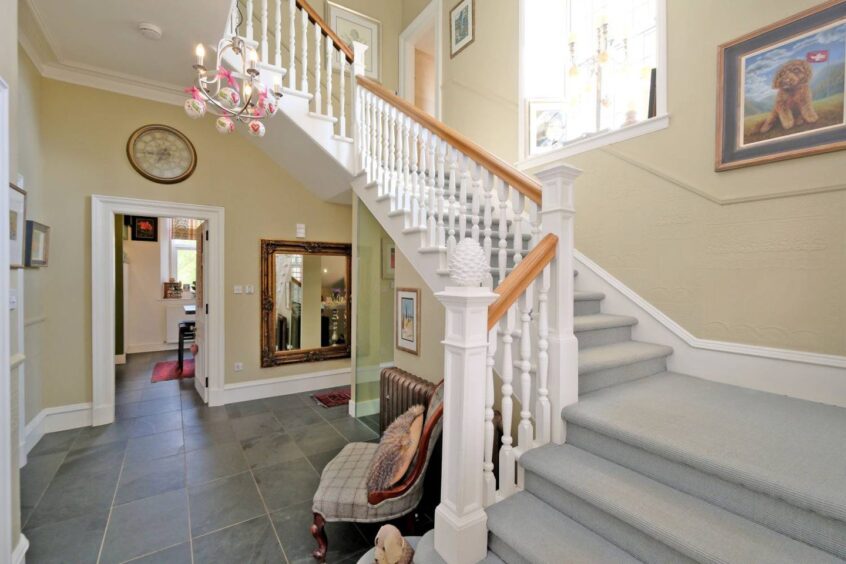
334,398
169,370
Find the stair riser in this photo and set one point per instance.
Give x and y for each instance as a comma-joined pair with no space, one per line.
504,551
600,337
587,307
634,541
806,526
621,374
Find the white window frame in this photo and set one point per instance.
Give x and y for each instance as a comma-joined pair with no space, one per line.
175,246
657,123
168,249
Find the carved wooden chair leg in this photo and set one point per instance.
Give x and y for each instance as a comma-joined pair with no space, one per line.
319,534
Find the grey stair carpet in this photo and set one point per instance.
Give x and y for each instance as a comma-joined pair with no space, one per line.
425,552
608,365
638,513
524,529
602,329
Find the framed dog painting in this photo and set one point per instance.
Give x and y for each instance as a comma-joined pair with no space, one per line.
781,90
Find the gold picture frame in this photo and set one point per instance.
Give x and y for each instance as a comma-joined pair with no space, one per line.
407,323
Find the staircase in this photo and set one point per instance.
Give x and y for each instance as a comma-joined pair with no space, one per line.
606,455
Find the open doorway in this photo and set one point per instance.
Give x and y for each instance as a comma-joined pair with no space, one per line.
420,46
167,281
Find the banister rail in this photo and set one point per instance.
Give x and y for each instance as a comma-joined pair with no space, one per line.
513,286
315,18
516,179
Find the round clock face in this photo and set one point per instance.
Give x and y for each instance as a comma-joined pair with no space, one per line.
161,154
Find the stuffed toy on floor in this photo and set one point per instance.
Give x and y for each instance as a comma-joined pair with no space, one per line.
391,548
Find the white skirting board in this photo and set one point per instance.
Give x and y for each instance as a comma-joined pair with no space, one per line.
803,375
53,419
19,554
284,385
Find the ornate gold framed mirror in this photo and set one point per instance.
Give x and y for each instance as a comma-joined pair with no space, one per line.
305,301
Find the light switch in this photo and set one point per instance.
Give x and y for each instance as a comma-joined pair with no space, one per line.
250,289
238,290
239,366
13,299
301,230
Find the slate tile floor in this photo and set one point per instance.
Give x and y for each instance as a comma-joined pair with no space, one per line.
175,481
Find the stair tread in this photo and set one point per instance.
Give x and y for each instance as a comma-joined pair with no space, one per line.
605,357
539,533
597,321
784,447
583,296
694,527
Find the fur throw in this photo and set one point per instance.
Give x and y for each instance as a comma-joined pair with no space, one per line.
391,548
396,450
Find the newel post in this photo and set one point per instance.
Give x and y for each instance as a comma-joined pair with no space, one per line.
359,50
461,533
557,215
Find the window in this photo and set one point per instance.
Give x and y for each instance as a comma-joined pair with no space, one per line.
179,250
608,52
184,261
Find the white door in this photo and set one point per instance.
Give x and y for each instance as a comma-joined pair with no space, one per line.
200,364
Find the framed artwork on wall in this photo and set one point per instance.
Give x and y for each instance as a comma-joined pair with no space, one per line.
145,228
781,90
389,259
407,314
462,26
37,244
354,26
17,226
547,125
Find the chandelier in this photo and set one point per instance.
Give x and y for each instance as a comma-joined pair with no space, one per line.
232,96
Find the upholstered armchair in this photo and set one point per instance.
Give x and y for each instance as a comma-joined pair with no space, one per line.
342,494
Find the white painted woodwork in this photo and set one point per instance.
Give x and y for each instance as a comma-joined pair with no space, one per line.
292,44
318,36
264,25
277,33
304,54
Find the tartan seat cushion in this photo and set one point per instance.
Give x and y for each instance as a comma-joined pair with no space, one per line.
342,493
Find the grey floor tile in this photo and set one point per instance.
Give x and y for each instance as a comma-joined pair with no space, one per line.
270,449
216,461
207,434
285,484
149,407
196,416
147,478
353,429
34,479
224,502
245,408
52,443
160,422
252,541
155,446
292,525
285,402
296,417
371,421
179,554
190,399
161,390
105,434
70,495
84,460
251,426
321,459
330,413
145,526
128,395
73,540
320,437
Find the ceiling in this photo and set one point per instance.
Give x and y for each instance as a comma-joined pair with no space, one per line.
97,36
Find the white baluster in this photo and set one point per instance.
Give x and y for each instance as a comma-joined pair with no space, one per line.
406,165
361,128
399,178
476,195
441,163
391,177
488,465
318,55
534,219
422,182
464,189
488,187
542,410
265,52
304,56
517,205
342,93
453,173
506,453
502,259
415,178
525,432
330,111
277,37
432,225
249,17
385,146
380,140
292,44
374,133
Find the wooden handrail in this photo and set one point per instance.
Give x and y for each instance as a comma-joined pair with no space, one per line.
518,280
314,17
521,182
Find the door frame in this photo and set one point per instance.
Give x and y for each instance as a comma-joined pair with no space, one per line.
103,210
432,14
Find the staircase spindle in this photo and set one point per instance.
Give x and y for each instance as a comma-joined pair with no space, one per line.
249,18
453,172
330,111
432,224
535,220
408,191
488,231
476,195
399,179
464,190
525,432
423,182
391,176
488,465
265,51
318,54
543,416
506,453
304,55
502,257
342,94
277,33
517,205
292,44
381,109
416,189
371,142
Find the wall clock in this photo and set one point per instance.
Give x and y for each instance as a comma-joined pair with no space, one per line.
161,154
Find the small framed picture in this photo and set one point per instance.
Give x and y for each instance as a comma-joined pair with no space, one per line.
354,26
407,313
37,244
781,90
389,259
547,125
462,26
145,228
17,226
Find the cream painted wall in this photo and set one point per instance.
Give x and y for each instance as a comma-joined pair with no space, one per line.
424,81
84,153
146,316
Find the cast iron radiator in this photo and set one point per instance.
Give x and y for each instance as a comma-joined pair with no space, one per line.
399,390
